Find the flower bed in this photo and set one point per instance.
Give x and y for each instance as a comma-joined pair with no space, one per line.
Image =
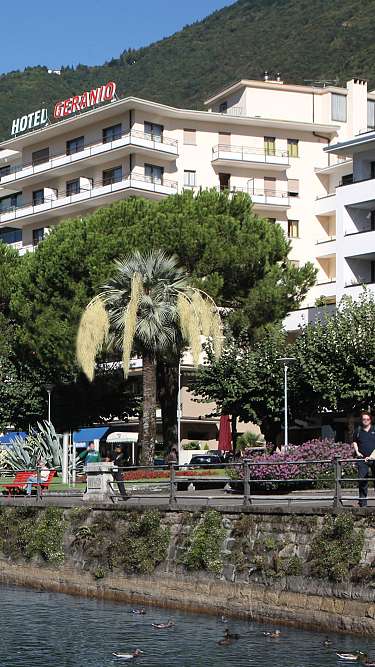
133,475
284,466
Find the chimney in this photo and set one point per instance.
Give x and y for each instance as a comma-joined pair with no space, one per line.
356,106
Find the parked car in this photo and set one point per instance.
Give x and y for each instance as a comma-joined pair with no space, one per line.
205,460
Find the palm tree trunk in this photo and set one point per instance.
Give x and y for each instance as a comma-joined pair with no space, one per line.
167,384
149,410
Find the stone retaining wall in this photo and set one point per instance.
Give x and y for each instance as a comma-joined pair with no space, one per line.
250,578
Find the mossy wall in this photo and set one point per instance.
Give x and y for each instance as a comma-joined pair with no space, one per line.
226,561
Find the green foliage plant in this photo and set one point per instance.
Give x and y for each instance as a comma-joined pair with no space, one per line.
43,444
336,548
204,546
191,445
28,533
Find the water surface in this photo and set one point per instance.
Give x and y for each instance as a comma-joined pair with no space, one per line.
56,630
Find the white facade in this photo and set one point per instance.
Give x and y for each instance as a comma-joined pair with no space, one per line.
265,138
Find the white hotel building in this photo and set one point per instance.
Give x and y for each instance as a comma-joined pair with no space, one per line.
288,146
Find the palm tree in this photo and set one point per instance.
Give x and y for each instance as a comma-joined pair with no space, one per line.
148,308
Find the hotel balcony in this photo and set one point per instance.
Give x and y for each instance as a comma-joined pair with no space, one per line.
303,316
355,290
326,205
94,153
99,194
270,200
326,248
245,156
359,243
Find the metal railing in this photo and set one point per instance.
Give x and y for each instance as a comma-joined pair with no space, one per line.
244,479
133,180
88,150
245,153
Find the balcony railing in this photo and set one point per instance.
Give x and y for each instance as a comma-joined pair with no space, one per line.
134,137
249,154
98,188
360,231
320,241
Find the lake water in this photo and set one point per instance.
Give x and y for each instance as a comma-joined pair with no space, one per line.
55,630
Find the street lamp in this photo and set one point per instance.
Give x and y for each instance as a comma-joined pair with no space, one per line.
286,361
49,388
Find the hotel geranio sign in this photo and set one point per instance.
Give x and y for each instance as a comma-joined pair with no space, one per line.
30,121
65,108
87,99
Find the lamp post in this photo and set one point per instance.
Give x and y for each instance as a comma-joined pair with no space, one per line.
286,361
179,409
49,388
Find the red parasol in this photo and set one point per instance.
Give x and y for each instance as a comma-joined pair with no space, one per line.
225,435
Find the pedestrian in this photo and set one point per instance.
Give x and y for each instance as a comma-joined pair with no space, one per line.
90,455
364,448
119,461
35,479
172,457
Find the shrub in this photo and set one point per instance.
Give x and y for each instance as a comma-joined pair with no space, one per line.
204,546
26,533
249,440
336,548
318,450
191,445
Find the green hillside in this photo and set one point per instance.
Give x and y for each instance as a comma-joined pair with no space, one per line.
302,39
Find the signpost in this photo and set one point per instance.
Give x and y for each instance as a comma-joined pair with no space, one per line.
30,121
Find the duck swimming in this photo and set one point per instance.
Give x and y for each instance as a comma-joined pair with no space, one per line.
129,656
351,657
230,635
140,612
273,635
163,626
225,642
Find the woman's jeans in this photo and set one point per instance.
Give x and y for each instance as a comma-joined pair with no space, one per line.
30,481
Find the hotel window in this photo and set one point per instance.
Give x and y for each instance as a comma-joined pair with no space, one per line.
293,187
371,114
270,145
113,175
347,179
38,157
5,171
338,107
293,229
72,187
38,197
10,235
292,147
372,221
190,137
111,133
154,173
8,203
38,235
189,178
75,145
223,107
154,131
372,271
224,138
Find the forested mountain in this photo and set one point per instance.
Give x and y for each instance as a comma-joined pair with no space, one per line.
302,39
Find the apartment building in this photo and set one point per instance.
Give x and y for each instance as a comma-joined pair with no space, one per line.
266,138
354,246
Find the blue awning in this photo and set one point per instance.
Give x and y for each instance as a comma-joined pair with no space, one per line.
8,438
85,435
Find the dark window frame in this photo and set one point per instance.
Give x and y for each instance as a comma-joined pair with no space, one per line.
79,143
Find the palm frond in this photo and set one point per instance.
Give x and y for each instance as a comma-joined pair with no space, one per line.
92,333
130,321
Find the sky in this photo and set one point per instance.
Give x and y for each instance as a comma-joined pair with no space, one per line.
44,32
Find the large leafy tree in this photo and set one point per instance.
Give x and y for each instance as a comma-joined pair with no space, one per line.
147,308
238,258
336,359
247,382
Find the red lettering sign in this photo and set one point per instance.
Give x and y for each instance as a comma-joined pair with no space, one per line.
87,99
